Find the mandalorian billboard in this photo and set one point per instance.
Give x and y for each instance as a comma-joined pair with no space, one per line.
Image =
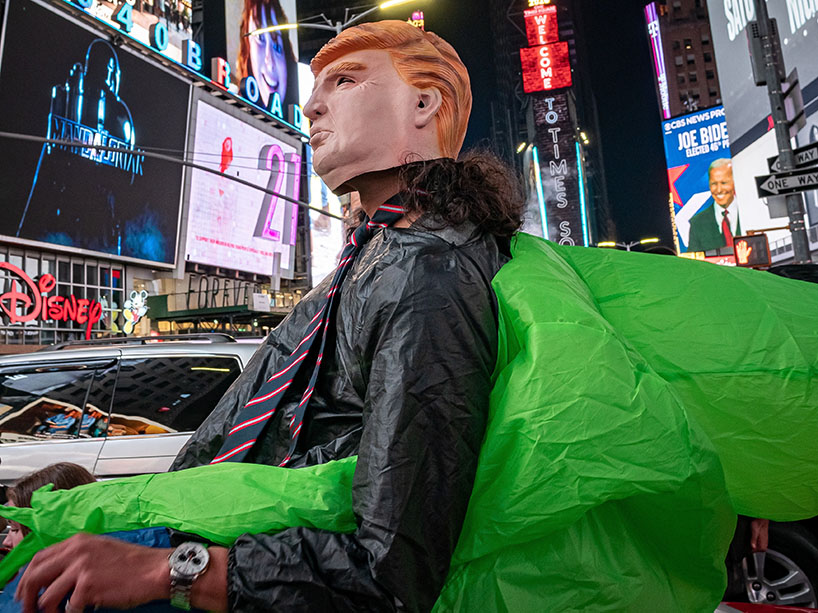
88,93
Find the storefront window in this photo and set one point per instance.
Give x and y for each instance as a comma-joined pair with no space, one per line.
82,278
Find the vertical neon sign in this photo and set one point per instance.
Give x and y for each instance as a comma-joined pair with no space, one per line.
652,17
581,182
540,197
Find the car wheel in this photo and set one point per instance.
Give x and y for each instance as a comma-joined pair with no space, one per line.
787,573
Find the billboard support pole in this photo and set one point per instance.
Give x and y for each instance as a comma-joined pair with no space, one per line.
772,70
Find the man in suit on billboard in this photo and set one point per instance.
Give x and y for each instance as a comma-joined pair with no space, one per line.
715,226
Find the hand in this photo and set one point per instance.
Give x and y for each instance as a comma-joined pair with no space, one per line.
759,534
96,571
743,251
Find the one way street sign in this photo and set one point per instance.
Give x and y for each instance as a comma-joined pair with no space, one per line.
787,182
804,156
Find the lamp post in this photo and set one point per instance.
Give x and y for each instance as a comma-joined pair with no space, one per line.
329,25
627,246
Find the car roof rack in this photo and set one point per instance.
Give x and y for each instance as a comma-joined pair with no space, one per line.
209,337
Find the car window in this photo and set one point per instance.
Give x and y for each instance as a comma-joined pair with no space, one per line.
44,404
98,406
156,395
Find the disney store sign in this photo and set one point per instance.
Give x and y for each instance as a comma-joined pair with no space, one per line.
26,300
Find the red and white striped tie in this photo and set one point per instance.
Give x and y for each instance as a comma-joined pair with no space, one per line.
257,412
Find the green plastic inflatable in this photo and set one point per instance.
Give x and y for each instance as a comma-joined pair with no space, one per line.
639,401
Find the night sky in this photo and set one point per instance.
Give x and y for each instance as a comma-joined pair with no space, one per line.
630,119
622,79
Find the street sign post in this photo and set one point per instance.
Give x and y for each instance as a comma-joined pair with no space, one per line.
765,55
783,183
804,156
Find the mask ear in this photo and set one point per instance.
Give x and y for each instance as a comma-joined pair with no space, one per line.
428,104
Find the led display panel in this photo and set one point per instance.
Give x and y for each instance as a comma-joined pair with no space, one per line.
117,202
270,58
545,67
327,234
230,224
655,35
541,25
160,24
700,174
560,189
748,106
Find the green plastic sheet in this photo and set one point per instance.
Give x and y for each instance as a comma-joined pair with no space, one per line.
638,401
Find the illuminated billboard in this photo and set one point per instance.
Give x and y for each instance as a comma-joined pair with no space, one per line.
230,224
748,107
270,58
118,202
655,35
142,18
541,25
327,234
702,185
545,67
557,167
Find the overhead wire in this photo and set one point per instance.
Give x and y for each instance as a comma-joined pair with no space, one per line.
167,158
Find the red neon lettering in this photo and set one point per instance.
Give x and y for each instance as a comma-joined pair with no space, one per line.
54,307
17,299
70,308
82,310
26,301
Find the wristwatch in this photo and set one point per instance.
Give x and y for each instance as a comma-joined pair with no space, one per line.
187,562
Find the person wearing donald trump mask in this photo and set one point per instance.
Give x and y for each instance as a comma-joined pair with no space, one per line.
390,359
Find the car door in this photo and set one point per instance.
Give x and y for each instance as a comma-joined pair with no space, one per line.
53,411
159,401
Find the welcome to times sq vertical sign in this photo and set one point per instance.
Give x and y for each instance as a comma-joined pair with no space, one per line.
556,158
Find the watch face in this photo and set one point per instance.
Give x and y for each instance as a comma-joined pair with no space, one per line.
190,559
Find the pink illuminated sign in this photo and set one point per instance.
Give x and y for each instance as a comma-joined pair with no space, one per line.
655,35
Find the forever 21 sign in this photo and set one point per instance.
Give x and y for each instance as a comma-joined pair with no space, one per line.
26,300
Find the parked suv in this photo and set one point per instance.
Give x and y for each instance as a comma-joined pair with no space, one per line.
118,407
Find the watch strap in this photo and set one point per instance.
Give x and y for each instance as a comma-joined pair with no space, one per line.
180,588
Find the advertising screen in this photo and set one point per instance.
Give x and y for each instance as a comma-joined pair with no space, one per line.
655,35
700,174
327,234
232,225
545,67
556,163
747,105
270,57
121,202
541,25
141,15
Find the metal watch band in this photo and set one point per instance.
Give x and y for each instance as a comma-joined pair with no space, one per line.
180,588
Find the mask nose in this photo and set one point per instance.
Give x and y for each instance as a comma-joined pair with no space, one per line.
315,106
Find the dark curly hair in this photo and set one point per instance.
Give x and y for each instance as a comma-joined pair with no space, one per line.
479,187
